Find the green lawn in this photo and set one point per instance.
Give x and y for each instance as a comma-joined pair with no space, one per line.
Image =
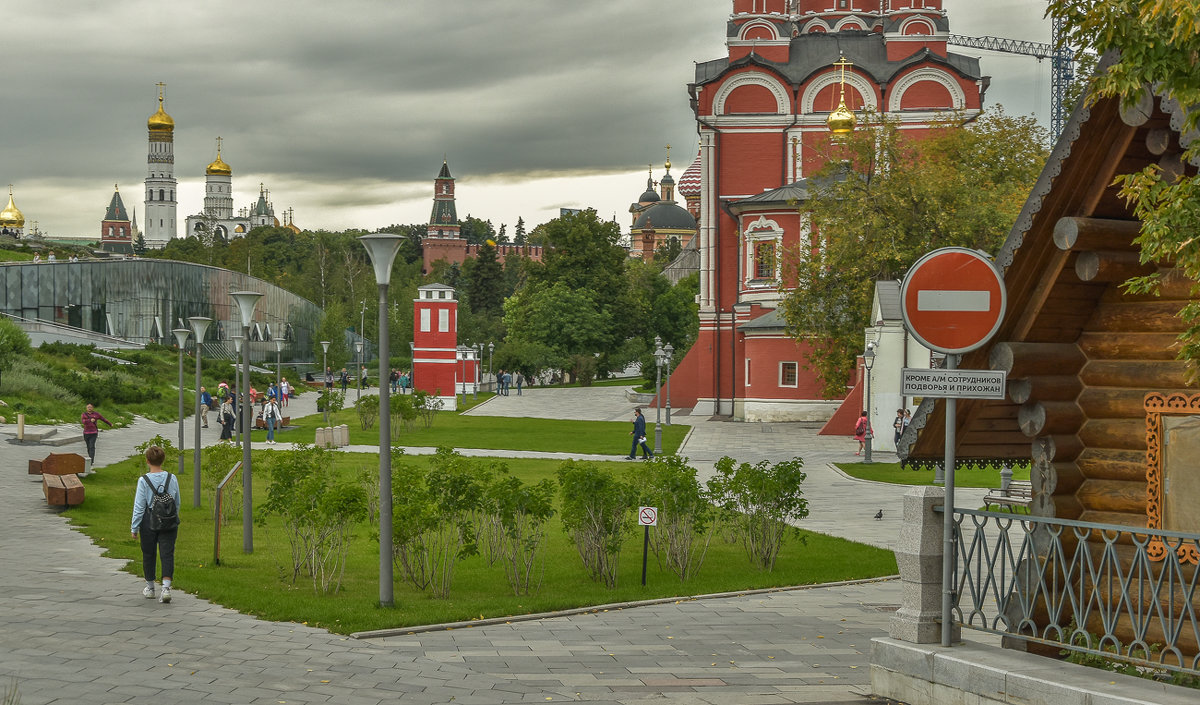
893,473
454,430
260,583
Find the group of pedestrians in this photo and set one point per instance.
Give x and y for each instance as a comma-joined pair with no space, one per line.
504,382
400,381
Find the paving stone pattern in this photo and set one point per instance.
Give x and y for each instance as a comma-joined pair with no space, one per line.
74,628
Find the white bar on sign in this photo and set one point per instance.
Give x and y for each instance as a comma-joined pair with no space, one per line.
941,300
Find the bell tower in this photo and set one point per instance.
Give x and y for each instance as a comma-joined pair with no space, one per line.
160,177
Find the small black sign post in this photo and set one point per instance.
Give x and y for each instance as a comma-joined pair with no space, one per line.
647,517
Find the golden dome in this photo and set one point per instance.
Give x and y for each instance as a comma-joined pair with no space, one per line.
160,121
219,167
841,121
11,216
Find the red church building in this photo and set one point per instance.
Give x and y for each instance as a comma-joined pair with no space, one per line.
764,118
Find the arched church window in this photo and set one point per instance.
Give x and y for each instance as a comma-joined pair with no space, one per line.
161,195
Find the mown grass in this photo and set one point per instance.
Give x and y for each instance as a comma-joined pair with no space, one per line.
260,583
452,429
894,474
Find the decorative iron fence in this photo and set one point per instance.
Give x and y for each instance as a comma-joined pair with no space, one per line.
1095,588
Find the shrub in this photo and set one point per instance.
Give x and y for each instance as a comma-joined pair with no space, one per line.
334,399
597,513
368,410
521,512
427,405
685,514
434,518
215,463
760,502
318,511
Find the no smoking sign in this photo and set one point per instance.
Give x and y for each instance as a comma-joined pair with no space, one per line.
647,516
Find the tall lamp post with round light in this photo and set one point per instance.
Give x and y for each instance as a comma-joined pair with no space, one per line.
278,371
246,302
868,363
412,368
660,357
181,336
491,349
478,375
199,328
669,351
237,402
327,390
382,248
358,354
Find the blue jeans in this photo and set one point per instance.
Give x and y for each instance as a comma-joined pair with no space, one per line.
271,429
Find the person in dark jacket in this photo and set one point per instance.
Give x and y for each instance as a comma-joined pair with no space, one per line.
90,430
639,436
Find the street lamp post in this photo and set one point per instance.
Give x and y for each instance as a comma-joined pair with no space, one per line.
358,350
199,328
478,356
237,350
278,371
246,302
412,368
181,336
325,377
868,362
491,348
659,355
669,351
382,248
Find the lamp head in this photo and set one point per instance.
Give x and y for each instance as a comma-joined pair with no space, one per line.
491,347
325,346
278,345
181,336
237,343
669,350
199,326
358,346
246,301
382,249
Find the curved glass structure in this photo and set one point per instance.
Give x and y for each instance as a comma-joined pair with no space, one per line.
141,300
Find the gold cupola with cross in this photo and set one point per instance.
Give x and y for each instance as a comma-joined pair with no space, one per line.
841,121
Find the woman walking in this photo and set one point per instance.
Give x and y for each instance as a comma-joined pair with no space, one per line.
90,430
158,542
227,419
271,416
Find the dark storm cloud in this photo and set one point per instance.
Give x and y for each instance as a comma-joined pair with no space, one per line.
353,102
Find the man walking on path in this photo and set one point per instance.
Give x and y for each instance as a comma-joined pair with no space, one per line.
639,436
345,380
205,402
90,430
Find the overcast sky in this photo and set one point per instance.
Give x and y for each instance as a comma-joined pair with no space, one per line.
345,109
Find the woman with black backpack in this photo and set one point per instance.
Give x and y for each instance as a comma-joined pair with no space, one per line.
156,521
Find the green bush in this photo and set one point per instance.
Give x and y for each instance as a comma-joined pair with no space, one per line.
368,410
520,513
685,513
760,502
597,513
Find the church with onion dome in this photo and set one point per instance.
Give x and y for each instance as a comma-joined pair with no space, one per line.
218,218
12,220
658,219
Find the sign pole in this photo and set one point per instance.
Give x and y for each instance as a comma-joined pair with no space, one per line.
645,551
948,512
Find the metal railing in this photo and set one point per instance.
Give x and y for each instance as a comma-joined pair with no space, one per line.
1120,592
218,512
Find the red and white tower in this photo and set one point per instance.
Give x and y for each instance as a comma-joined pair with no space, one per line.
116,231
764,114
435,342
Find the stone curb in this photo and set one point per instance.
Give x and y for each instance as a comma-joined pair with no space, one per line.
426,628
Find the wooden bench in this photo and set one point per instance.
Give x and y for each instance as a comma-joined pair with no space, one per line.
62,490
1019,494
57,464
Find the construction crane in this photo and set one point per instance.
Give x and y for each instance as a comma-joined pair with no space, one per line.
1062,65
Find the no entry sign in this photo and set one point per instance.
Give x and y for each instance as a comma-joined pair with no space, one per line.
953,300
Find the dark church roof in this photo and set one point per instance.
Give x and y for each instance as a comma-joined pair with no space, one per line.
665,216
116,208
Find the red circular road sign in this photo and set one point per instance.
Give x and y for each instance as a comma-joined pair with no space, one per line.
953,300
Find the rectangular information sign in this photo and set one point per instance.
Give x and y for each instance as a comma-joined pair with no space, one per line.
960,384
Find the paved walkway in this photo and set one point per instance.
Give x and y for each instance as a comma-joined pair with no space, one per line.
75,629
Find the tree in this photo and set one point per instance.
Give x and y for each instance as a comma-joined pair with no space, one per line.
476,231
888,198
485,285
558,318
1151,43
14,344
519,232
139,245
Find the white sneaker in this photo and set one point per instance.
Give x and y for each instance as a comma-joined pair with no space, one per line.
148,592
165,596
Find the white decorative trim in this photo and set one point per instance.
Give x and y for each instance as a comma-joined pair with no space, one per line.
862,24
896,94
918,19
814,21
833,77
783,103
760,232
753,24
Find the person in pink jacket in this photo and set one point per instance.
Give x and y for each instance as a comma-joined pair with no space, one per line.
90,430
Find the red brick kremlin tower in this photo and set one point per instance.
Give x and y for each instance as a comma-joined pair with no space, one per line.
764,115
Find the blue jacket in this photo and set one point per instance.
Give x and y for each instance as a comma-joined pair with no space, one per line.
639,426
